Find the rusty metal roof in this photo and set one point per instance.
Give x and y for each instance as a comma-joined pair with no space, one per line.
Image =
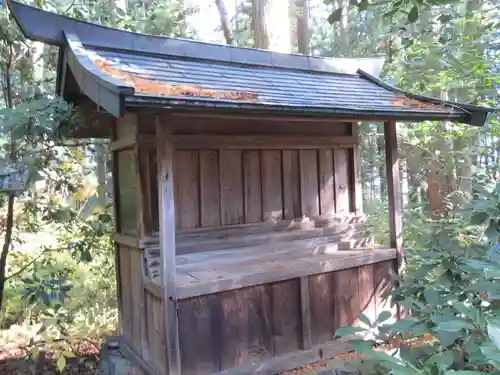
118,69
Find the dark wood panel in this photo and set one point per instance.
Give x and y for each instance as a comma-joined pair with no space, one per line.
342,196
346,297
272,187
209,188
286,316
231,186
367,291
256,126
309,188
259,323
186,179
198,352
322,307
230,326
382,272
253,186
291,184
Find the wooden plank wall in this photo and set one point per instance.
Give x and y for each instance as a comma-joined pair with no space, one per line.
224,330
224,187
142,312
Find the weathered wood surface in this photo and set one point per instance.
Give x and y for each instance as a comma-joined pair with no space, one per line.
167,244
217,186
258,326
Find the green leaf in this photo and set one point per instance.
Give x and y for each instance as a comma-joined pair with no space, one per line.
335,16
402,326
443,360
365,320
494,334
463,372
413,15
383,316
61,363
455,325
348,331
431,296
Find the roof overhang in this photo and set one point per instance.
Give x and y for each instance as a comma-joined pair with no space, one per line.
79,40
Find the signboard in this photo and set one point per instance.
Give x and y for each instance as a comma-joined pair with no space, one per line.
13,178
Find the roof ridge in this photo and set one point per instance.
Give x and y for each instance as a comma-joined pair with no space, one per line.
47,27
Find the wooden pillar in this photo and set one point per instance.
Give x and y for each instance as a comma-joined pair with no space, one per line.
116,204
394,190
357,197
165,154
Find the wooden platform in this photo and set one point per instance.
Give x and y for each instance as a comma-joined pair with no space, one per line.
217,271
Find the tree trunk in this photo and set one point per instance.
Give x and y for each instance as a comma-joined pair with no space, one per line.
224,22
271,26
10,204
302,26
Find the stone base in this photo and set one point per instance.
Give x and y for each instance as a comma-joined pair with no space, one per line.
112,362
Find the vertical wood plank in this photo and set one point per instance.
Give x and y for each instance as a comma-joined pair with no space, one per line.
187,181
150,329
167,243
394,190
116,204
230,318
286,327
126,306
341,165
136,300
382,272
309,188
367,292
305,305
357,195
197,349
144,192
326,183
253,186
347,306
259,323
209,188
160,338
272,187
322,307
231,187
291,184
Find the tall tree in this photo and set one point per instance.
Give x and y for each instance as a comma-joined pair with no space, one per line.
301,29
271,25
224,21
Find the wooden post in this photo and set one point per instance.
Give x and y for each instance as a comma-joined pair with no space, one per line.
116,203
165,156
394,198
357,196
394,190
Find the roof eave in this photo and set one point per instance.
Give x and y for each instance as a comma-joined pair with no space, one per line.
202,104
104,90
475,115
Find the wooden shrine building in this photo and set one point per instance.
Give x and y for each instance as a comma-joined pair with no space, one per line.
240,239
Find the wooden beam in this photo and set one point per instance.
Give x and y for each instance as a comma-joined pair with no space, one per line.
253,142
116,203
394,191
305,305
357,197
165,155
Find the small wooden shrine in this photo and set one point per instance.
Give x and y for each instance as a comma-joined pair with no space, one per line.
240,240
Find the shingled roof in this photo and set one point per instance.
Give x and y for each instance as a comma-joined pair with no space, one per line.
118,69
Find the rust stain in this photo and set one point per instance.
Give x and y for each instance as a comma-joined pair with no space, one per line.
407,102
149,86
